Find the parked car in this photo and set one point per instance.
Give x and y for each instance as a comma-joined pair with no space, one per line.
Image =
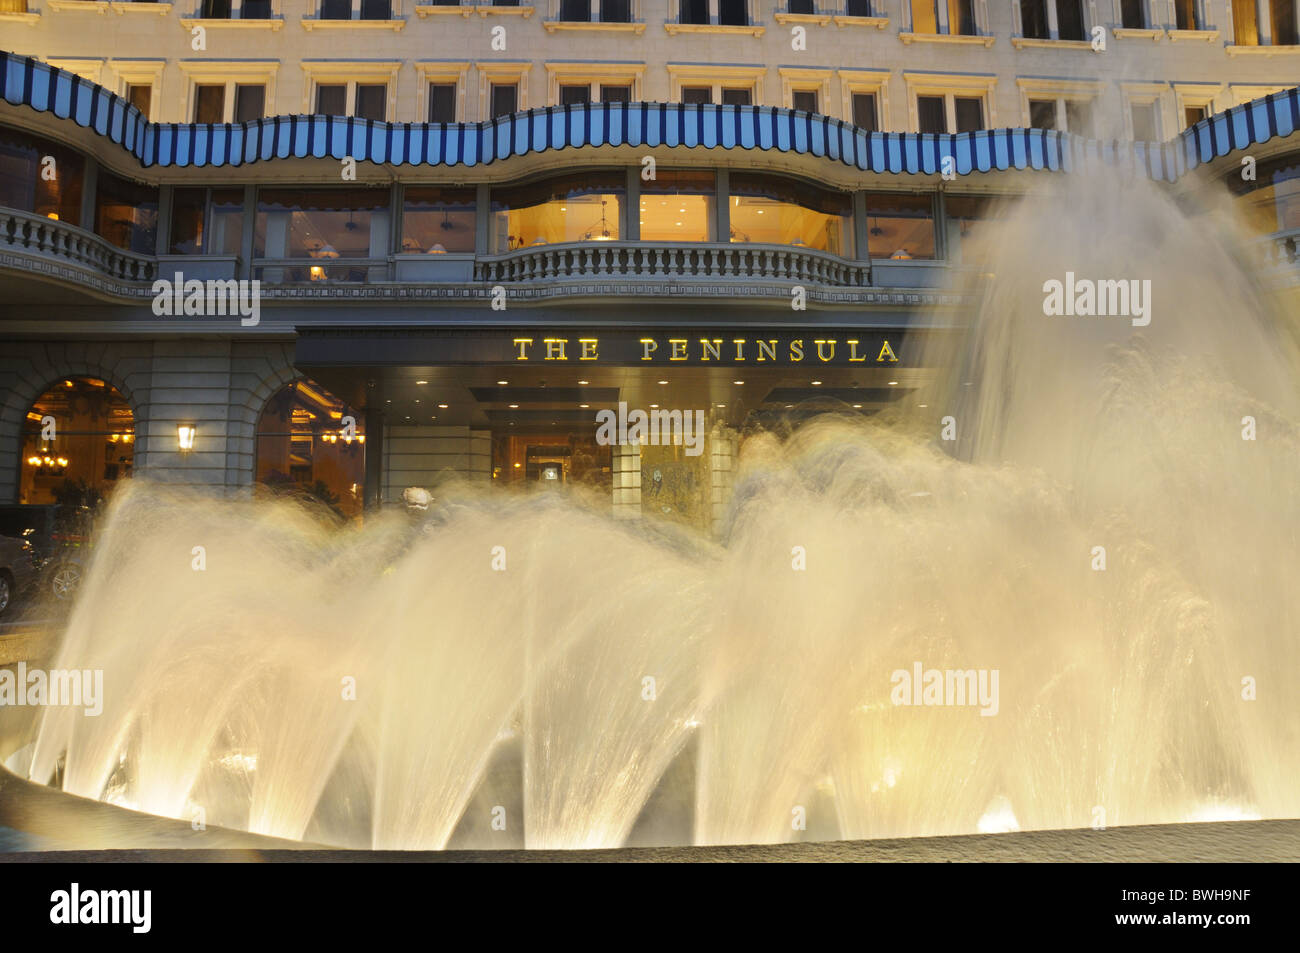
58,539
18,573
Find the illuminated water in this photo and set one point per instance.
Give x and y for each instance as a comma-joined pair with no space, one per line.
521,695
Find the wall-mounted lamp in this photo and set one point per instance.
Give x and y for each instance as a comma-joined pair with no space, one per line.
185,436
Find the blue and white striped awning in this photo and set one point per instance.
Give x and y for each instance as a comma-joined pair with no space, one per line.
28,82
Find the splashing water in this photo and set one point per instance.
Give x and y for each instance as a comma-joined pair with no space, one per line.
773,693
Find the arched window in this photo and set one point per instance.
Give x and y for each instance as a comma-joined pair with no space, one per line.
78,440
305,446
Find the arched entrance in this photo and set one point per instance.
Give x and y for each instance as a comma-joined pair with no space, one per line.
312,444
78,441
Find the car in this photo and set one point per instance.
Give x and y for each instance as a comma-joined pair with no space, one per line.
58,537
18,573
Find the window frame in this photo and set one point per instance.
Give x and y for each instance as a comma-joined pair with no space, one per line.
951,88
1061,91
502,74
1142,94
445,72
803,79
875,82
318,73
229,74
593,76
140,72
716,78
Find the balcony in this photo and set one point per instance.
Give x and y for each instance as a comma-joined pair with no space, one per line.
46,246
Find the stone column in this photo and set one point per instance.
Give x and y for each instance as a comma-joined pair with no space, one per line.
722,459
626,466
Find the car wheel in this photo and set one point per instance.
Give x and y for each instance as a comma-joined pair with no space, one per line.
65,580
6,592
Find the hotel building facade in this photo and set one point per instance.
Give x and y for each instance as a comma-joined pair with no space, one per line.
474,224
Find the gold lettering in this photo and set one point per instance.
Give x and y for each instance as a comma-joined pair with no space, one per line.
884,349
713,347
679,349
796,350
588,349
822,356
522,344
768,347
853,353
648,345
555,349
740,348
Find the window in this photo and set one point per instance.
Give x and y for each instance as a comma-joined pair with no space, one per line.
736,97
372,101
332,99
1193,114
1042,113
1069,19
1078,117
1284,26
678,207
1270,203
804,99
324,227
209,103
731,86
1144,122
574,208
1033,19
93,447
857,8
900,226
733,12
376,9
970,113
442,102
1185,17
694,11
924,18
505,99
930,115
1132,16
436,220
206,221
126,214
697,94
23,187
777,211
575,11
965,216
806,7
250,102
336,9
140,95
252,9
864,111
216,9
961,17
1245,27
616,93
575,95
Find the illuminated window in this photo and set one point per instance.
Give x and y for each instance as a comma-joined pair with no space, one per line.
23,187
900,226
92,449
306,449
438,220
678,207
574,208
207,221
1270,203
771,210
126,213
325,226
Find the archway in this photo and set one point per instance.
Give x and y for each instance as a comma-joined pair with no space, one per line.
78,441
310,443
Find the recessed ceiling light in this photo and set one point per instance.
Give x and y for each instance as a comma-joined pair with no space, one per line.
789,406
722,405
663,382
417,400
584,382
584,406
857,406
442,406
893,383
514,406
737,382
654,406
422,382
502,383
817,383
923,405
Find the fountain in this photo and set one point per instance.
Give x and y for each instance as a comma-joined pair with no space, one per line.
1096,531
